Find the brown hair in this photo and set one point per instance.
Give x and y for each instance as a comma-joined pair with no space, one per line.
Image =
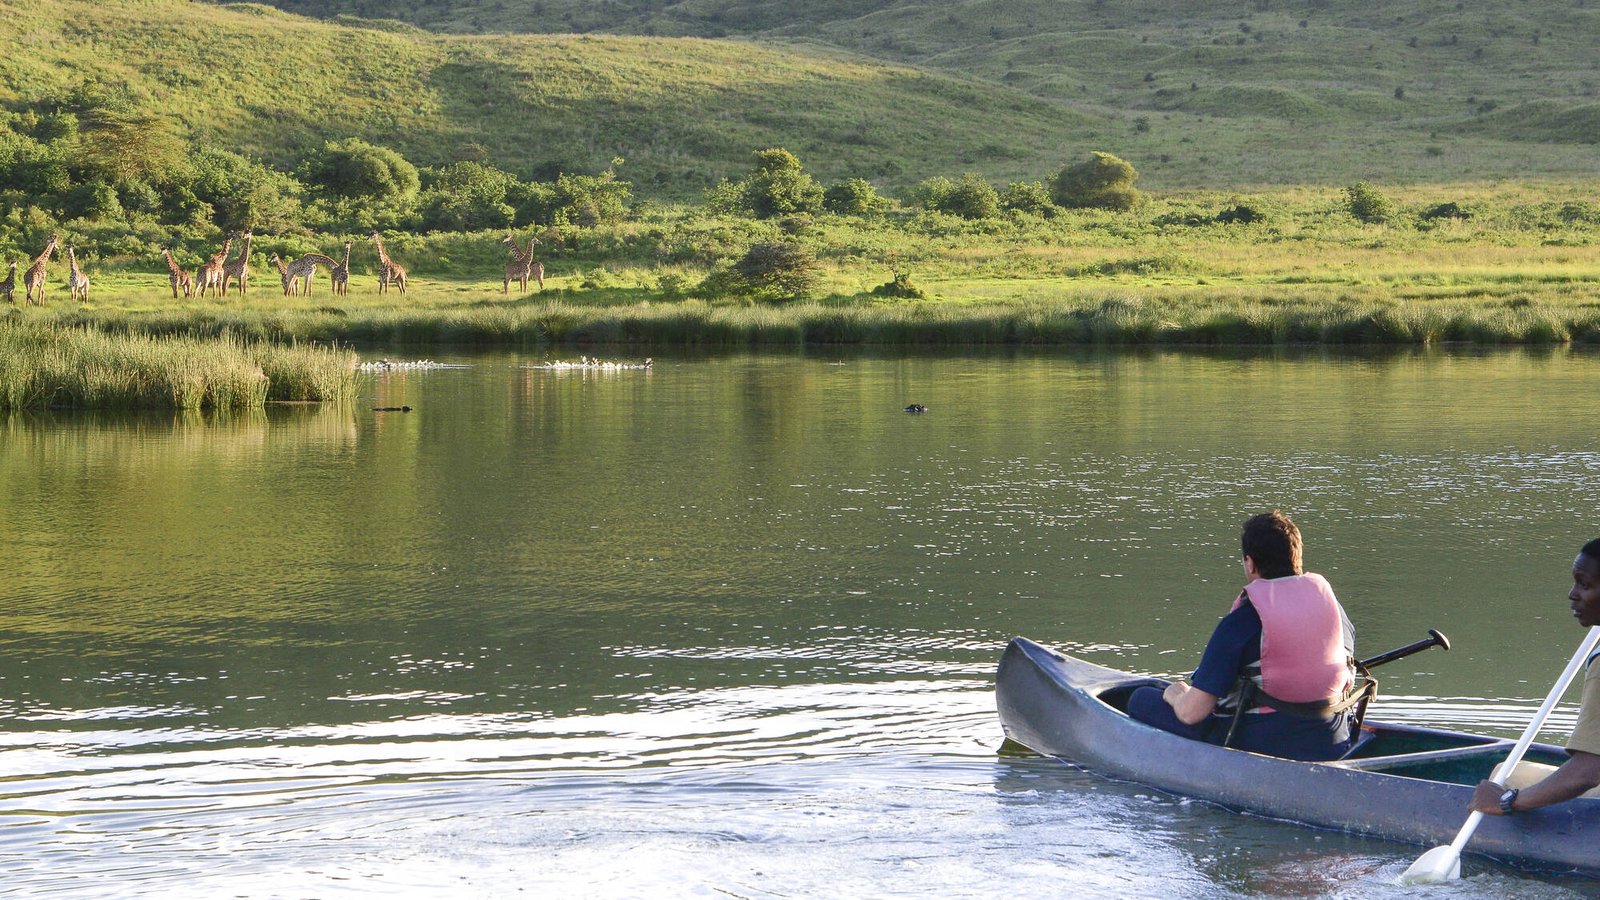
1273,541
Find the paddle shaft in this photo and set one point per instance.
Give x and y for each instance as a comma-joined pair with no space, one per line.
1504,769
1433,639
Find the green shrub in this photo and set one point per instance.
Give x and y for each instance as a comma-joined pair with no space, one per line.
1029,197
773,271
777,187
467,196
900,287
970,198
586,201
243,193
854,197
1368,204
357,170
1579,212
1100,182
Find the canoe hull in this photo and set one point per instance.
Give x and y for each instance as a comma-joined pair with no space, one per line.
1049,702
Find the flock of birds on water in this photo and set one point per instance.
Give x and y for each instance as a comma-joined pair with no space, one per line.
221,271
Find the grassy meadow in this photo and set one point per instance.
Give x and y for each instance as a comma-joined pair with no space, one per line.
1523,267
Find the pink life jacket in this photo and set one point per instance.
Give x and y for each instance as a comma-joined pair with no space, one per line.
1307,643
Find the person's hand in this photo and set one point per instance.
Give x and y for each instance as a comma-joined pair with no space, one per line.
1175,692
1486,798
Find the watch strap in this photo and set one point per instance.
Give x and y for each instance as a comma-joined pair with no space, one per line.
1508,801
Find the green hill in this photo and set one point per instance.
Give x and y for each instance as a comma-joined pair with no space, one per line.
1195,89
681,111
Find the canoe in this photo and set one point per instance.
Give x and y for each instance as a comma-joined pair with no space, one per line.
1401,783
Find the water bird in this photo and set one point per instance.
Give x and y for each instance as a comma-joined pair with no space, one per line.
391,409
916,408
596,364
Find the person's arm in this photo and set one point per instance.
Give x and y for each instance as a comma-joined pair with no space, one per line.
1219,666
1189,704
1578,774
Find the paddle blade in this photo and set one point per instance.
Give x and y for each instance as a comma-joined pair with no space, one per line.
1439,864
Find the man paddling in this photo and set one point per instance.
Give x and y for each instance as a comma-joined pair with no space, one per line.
1285,651
1581,772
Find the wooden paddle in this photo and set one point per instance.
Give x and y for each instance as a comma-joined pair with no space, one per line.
1444,863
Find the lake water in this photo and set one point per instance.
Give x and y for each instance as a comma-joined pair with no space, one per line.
728,626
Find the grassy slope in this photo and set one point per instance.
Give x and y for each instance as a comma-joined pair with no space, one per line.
1201,92
682,112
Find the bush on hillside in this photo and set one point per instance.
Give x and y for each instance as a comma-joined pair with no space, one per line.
970,197
356,170
854,197
771,271
582,200
467,196
1100,182
1366,203
1030,198
243,193
777,187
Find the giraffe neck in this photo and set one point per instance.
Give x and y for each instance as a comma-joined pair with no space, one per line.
172,264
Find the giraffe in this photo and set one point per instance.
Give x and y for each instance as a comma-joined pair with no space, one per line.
9,286
340,274
238,268
302,269
35,276
389,271
522,266
77,282
179,278
212,275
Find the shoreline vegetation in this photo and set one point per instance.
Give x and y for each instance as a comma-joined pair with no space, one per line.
1111,317
53,366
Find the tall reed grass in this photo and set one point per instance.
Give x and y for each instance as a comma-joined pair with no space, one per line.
48,366
1131,315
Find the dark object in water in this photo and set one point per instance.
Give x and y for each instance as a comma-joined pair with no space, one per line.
391,409
1399,782
916,408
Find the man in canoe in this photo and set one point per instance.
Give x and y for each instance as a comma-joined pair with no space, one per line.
1285,651
1581,772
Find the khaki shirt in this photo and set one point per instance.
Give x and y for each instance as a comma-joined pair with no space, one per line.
1586,734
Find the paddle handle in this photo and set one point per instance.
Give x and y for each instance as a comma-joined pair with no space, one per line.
1528,734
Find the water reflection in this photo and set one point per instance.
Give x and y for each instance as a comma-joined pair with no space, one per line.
568,599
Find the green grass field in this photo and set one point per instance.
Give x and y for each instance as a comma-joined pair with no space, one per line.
1523,267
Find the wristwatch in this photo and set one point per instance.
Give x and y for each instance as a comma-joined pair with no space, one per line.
1508,800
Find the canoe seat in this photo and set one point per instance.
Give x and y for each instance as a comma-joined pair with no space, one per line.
1402,760
1527,774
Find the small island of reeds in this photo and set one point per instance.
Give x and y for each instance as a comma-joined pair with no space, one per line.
42,366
